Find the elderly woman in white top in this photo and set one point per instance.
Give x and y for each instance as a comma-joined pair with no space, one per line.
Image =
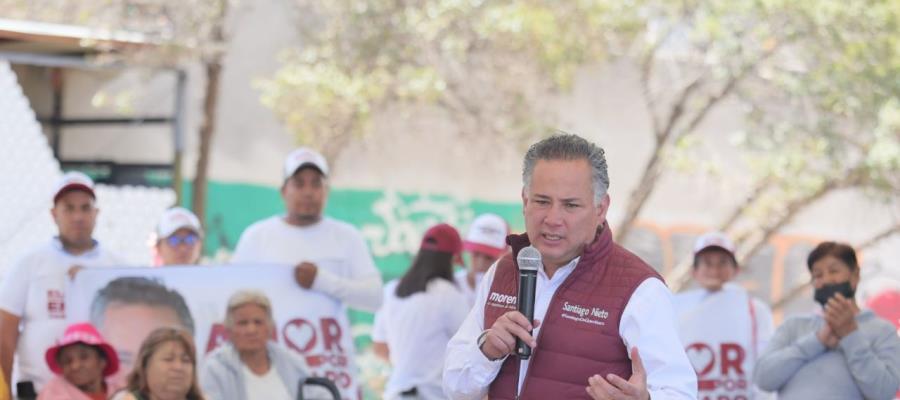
251,366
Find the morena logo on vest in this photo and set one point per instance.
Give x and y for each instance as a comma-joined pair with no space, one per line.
502,300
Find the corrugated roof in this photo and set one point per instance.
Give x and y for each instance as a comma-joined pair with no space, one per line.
42,37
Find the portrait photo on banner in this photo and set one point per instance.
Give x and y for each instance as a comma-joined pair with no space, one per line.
126,304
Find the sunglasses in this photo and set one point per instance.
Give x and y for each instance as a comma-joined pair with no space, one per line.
189,239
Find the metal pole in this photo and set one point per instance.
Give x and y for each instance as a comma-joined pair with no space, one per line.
178,135
56,81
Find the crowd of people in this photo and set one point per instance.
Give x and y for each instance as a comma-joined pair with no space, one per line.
605,324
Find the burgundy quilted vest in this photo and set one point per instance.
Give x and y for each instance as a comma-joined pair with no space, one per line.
579,335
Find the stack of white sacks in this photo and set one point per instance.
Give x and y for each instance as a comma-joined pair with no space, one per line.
28,173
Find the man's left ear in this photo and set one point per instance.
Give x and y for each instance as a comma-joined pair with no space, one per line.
603,207
524,200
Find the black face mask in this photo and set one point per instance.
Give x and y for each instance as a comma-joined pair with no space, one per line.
826,292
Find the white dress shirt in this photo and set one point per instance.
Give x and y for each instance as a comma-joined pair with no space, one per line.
648,323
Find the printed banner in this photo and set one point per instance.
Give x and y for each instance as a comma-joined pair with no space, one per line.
718,335
126,304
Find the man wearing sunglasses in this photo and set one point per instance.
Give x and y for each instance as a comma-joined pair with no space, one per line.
179,238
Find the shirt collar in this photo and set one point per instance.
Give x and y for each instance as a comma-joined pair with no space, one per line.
57,244
562,271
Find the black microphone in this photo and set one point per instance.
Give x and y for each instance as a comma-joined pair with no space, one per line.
529,260
25,391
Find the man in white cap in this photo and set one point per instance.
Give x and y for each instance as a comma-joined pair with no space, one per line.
328,255
485,243
723,328
179,237
33,292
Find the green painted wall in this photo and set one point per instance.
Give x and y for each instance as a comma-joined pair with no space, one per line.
391,222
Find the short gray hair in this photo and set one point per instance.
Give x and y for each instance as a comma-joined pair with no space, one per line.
245,297
569,147
138,290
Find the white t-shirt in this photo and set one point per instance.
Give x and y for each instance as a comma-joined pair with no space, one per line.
416,329
264,387
34,290
468,292
724,332
346,270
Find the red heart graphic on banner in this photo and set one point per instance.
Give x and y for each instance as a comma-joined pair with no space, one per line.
299,335
702,357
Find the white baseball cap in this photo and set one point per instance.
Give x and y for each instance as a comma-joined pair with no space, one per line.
713,239
176,218
487,235
73,180
302,157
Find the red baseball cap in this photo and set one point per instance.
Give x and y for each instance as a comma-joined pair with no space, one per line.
84,333
443,238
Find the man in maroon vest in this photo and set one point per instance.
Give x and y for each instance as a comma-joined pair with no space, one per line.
595,303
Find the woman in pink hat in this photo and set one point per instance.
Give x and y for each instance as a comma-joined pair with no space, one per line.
81,361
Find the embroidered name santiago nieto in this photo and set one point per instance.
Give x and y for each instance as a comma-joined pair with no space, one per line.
579,313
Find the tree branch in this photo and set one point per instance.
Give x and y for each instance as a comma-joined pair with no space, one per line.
853,177
761,186
677,111
890,231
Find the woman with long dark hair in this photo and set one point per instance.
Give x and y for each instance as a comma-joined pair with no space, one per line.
420,313
845,353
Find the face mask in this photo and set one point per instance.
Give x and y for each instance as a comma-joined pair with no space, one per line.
828,291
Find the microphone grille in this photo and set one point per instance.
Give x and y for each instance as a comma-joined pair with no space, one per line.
529,259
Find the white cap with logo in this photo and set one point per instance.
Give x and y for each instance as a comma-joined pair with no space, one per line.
487,235
176,218
73,180
713,239
303,157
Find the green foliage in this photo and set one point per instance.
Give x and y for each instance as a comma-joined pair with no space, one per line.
486,64
824,110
